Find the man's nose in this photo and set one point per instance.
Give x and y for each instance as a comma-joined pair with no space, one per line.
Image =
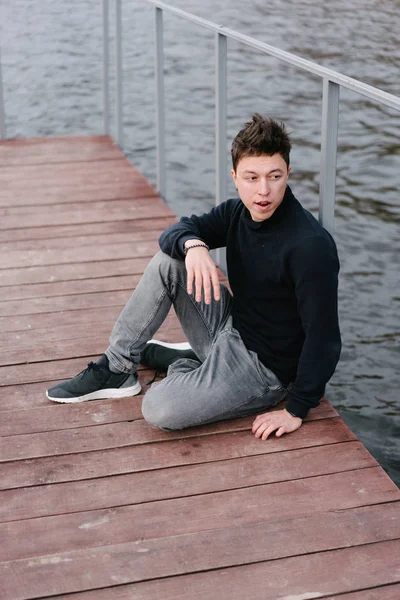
263,189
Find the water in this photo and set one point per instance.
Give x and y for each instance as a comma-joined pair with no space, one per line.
51,56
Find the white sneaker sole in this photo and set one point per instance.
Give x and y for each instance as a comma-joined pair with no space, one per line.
175,346
134,390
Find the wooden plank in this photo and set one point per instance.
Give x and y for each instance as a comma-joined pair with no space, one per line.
357,568
36,151
35,353
74,213
389,592
150,559
82,346
54,417
215,511
126,592
61,243
30,337
33,394
14,181
35,416
44,174
56,197
114,461
117,435
26,323
53,273
134,200
79,346
74,302
85,229
75,254
62,288
47,373
183,480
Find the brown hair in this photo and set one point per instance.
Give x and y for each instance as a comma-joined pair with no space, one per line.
261,135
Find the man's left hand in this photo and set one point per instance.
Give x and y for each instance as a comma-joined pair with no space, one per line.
278,420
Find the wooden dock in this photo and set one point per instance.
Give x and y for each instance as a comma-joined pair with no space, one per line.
98,505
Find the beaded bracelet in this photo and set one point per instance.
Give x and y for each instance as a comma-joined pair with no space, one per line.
199,245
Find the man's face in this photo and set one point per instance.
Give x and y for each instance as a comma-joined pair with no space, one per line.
261,183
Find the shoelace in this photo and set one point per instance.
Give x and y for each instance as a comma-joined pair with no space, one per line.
92,366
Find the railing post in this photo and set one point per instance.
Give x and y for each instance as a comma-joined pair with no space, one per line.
118,56
2,114
221,125
106,81
330,126
160,111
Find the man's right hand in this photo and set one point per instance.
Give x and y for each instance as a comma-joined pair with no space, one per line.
202,273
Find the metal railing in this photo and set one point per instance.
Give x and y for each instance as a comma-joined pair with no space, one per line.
332,81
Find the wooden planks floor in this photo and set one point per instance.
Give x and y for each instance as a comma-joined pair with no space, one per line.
98,505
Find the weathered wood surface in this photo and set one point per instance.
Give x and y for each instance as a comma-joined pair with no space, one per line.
95,503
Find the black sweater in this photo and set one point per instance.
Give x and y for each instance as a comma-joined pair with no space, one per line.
283,273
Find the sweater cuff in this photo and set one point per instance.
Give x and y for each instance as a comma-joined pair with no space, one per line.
295,409
184,239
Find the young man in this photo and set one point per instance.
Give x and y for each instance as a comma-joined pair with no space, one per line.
277,336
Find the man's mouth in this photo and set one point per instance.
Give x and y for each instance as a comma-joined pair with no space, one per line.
263,203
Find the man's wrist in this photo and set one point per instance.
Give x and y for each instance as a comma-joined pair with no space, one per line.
292,415
194,244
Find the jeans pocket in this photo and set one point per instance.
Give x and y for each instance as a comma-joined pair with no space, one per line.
268,377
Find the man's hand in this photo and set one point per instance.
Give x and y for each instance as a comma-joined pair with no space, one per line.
279,420
201,273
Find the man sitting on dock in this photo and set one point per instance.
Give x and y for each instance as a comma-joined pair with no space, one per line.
277,336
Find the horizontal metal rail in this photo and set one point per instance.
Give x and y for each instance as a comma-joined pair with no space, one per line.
307,65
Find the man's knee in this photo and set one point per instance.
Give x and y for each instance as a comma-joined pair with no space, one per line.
162,262
158,411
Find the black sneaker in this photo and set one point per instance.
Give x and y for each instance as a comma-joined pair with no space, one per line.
94,383
159,355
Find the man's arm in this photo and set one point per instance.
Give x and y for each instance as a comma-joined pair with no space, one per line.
211,228
314,269
182,240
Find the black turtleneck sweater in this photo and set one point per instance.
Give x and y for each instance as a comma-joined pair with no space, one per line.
283,273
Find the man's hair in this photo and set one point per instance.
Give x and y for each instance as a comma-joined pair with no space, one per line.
261,135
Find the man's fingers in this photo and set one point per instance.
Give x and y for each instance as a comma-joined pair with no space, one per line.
260,429
270,429
198,283
207,288
280,431
216,285
189,280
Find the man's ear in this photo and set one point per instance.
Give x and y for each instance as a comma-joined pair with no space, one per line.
233,173
288,171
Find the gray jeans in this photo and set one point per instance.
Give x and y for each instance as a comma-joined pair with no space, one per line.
228,381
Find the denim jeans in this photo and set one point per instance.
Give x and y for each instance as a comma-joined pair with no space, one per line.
228,381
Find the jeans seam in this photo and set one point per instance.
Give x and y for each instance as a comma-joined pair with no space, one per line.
199,312
235,332
149,320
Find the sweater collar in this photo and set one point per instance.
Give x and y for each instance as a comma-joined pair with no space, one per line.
280,213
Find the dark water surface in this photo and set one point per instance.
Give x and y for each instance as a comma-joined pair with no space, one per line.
51,57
